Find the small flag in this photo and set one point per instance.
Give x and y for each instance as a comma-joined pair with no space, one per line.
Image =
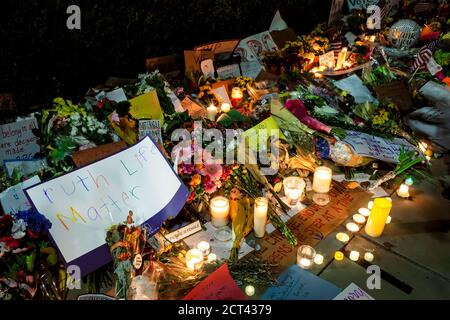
423,57
336,46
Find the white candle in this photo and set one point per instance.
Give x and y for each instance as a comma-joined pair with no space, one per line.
204,247
403,191
225,107
305,257
354,255
194,259
318,259
352,227
369,257
370,205
343,237
305,263
212,257
212,112
294,188
341,58
250,291
322,180
260,216
219,208
389,220
359,218
364,211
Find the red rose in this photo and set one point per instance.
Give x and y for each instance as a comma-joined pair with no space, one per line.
10,242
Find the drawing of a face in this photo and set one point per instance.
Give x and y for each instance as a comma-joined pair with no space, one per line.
256,47
268,43
242,53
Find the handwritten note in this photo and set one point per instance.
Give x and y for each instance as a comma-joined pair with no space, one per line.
14,200
218,286
25,167
83,204
230,71
353,292
299,284
17,141
151,128
147,106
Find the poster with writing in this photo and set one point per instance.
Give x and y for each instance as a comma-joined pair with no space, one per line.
14,200
335,11
193,59
252,48
82,205
311,225
151,128
228,72
361,4
25,167
147,106
298,284
376,147
219,47
218,286
353,292
17,141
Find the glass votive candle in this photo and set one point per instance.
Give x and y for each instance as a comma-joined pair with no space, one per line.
343,237
250,290
318,259
369,257
220,209
352,227
403,191
364,211
359,219
236,96
212,257
293,189
322,180
194,259
212,112
305,257
204,247
225,107
354,256
339,256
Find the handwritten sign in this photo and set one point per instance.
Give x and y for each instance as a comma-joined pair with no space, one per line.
228,72
335,11
14,200
311,225
361,4
219,47
193,59
184,232
376,147
253,47
218,286
397,92
17,141
25,167
299,284
151,128
353,292
83,204
147,106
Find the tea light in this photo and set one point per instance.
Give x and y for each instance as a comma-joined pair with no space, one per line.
225,107
378,217
352,227
294,188
204,247
194,259
341,58
343,237
389,220
219,208
372,38
364,211
369,257
236,96
339,256
305,257
318,259
359,218
322,180
212,112
212,257
260,216
354,256
403,191
250,291
370,205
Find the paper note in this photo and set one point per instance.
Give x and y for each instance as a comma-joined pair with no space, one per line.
184,232
353,292
25,167
195,110
83,204
298,284
230,71
147,106
251,69
17,141
220,248
117,95
356,88
278,24
327,60
218,286
14,200
151,128
223,95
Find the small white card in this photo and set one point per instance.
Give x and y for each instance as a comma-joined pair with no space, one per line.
353,292
184,232
14,199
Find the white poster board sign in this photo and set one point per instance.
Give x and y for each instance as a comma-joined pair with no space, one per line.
17,141
84,204
14,200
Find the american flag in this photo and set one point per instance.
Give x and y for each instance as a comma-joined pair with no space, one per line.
336,46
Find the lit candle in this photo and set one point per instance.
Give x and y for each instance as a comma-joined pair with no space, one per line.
250,291
219,208
341,58
236,96
260,216
403,191
343,237
389,220
389,199
370,206
369,257
359,218
354,256
194,259
364,211
372,38
293,189
305,257
378,217
212,257
352,227
204,247
318,259
339,256
225,107
322,180
212,112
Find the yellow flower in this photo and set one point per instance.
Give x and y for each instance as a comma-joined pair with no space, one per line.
196,180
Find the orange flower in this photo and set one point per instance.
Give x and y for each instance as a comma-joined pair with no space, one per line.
196,180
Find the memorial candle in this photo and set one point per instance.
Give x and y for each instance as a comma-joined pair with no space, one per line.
260,216
403,191
322,180
293,189
236,96
194,259
378,217
212,112
225,107
219,208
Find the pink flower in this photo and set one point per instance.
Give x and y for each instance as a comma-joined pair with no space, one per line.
212,170
210,187
186,169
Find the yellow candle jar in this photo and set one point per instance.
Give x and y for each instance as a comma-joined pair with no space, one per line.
378,217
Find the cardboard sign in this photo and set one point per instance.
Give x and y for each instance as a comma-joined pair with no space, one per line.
361,4
17,141
299,284
376,147
83,204
169,66
184,232
219,47
14,200
195,110
327,60
151,128
25,167
218,286
311,225
147,106
353,292
193,59
335,11
397,92
84,157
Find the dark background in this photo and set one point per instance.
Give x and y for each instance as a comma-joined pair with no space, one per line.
41,59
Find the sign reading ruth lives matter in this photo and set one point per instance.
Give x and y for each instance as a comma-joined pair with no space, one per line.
84,204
